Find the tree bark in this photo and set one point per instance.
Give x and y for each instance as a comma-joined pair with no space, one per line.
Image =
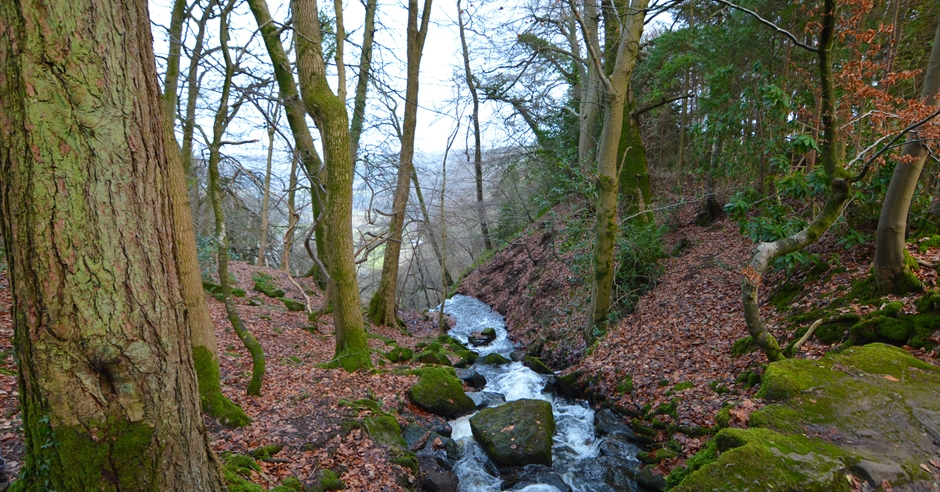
362,83
329,114
634,172
105,368
591,92
262,241
477,151
891,274
617,85
383,308
292,216
447,279
222,117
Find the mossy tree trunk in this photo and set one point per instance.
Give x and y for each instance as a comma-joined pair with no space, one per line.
591,91
832,150
329,114
383,307
222,117
292,216
617,89
296,120
362,83
263,240
108,393
634,174
891,273
201,327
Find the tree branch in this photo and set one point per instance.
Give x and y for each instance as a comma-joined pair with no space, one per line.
771,25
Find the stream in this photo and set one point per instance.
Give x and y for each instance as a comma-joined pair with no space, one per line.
582,461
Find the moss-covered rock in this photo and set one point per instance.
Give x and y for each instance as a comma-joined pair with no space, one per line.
517,433
493,359
761,459
439,391
929,303
292,305
216,290
325,481
265,285
399,354
536,365
431,357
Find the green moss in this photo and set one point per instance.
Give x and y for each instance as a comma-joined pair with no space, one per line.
115,453
718,387
407,460
833,329
743,346
625,386
236,469
668,409
785,295
432,357
213,402
326,481
780,418
467,358
749,378
440,392
399,354
655,456
705,456
929,303
493,359
723,417
292,305
290,484
882,329
265,452
537,365
384,430
683,386
761,459
264,284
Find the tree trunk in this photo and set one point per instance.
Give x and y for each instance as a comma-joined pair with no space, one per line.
477,151
192,92
634,173
591,93
362,82
294,108
891,274
292,216
618,85
383,308
222,117
108,393
263,240
329,114
198,319
448,280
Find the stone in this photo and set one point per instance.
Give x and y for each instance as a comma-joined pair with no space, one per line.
292,305
493,359
528,475
439,391
484,399
471,377
443,481
874,472
606,421
536,365
517,433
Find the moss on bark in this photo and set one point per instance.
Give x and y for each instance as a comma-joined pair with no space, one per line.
214,403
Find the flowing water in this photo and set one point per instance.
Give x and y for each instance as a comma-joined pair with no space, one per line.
580,459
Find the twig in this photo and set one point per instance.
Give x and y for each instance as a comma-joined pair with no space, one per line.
809,333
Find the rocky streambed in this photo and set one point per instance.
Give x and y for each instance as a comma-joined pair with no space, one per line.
519,434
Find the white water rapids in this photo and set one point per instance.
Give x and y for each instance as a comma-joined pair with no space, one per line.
575,447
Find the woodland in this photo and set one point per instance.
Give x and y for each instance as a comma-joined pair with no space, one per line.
619,245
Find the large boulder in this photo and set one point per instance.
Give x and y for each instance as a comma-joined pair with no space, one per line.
439,391
517,433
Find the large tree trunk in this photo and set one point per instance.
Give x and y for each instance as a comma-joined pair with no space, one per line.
329,114
634,173
105,369
891,275
383,308
477,151
618,85
591,93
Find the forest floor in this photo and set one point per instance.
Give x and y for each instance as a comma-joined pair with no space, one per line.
674,350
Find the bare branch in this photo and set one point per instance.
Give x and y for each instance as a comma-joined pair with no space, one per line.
771,25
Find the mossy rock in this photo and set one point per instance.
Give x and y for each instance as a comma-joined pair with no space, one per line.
761,459
292,305
876,401
440,392
493,359
929,303
265,452
517,433
625,386
216,290
431,357
327,480
467,358
832,330
236,468
785,295
743,346
384,430
290,484
537,365
399,354
569,385
264,284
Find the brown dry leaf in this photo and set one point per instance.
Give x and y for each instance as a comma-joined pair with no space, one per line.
935,462
891,378
926,468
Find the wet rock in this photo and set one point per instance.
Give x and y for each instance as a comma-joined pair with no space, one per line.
472,378
606,421
484,399
440,392
443,428
569,385
484,337
874,473
617,474
521,478
437,478
517,433
415,436
493,359
537,365
617,445
649,480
